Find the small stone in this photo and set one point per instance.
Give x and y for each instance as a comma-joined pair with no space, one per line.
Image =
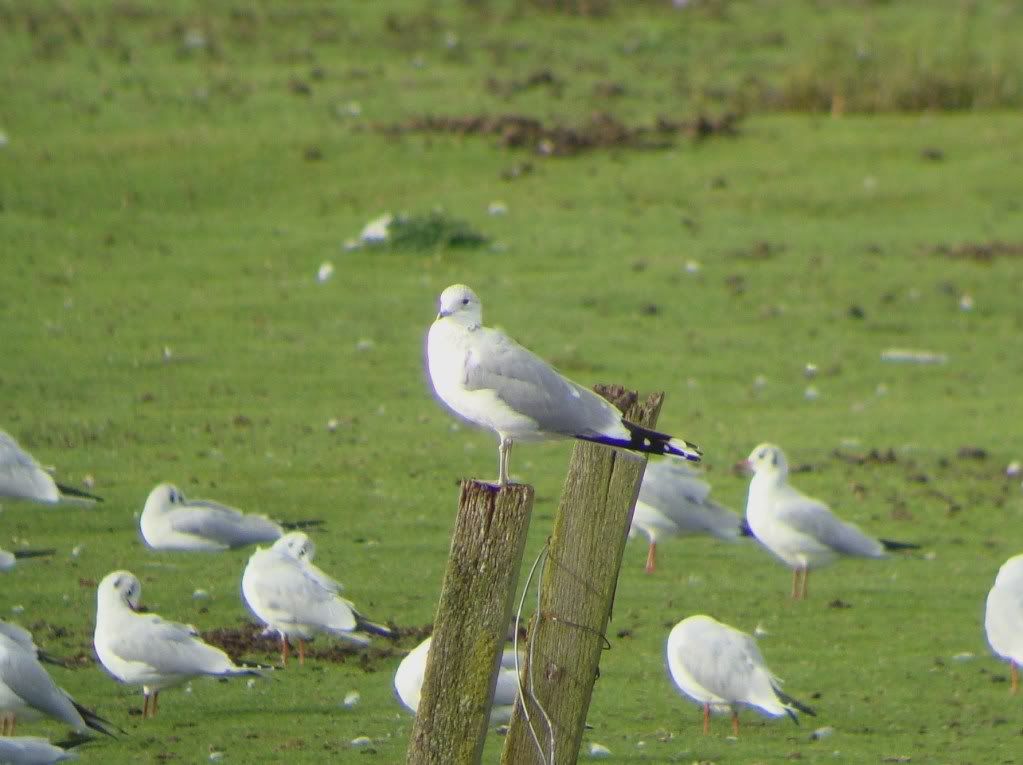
17,609
964,656
200,595
361,741
966,303
351,699
332,424
809,370
365,344
497,208
811,393
692,267
1013,469
250,684
822,733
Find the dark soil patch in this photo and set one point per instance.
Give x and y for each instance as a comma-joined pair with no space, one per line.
248,640
981,252
602,131
872,457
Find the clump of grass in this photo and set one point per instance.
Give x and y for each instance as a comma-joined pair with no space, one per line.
435,230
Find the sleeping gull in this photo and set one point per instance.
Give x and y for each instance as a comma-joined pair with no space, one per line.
32,750
1003,617
408,682
144,649
721,667
490,380
295,599
21,477
171,521
674,500
8,560
800,530
27,692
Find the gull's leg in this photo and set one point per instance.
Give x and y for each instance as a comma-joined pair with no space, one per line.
735,722
795,584
651,557
1014,673
503,451
284,649
145,705
706,718
301,652
806,579
156,701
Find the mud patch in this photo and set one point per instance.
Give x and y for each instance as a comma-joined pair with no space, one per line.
248,640
602,131
981,252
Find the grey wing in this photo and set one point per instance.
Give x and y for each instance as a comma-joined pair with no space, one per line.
287,588
25,676
19,635
680,494
532,387
815,519
223,524
723,661
21,476
169,648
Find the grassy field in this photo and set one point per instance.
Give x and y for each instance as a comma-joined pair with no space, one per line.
173,175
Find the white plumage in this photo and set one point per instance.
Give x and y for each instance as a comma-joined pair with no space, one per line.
31,750
487,378
147,650
171,521
293,597
674,501
799,530
21,477
408,682
1003,616
721,668
27,692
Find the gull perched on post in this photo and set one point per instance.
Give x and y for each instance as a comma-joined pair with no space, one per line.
294,598
1003,616
801,531
674,500
145,649
721,668
487,378
171,521
21,477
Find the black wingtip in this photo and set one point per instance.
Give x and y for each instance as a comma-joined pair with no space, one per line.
744,529
791,703
95,722
22,554
302,525
361,625
649,441
71,491
892,545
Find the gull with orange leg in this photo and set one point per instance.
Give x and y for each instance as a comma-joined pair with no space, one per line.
721,668
799,530
1003,617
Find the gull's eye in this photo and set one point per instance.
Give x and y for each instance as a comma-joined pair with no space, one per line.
465,301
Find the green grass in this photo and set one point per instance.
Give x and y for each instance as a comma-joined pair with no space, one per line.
155,196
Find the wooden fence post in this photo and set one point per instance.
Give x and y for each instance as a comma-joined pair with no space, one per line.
577,589
471,624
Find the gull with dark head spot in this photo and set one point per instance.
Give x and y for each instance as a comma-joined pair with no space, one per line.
145,649
21,477
172,521
721,668
799,530
487,378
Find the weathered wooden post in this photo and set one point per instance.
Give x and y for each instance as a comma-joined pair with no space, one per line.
577,590
471,624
